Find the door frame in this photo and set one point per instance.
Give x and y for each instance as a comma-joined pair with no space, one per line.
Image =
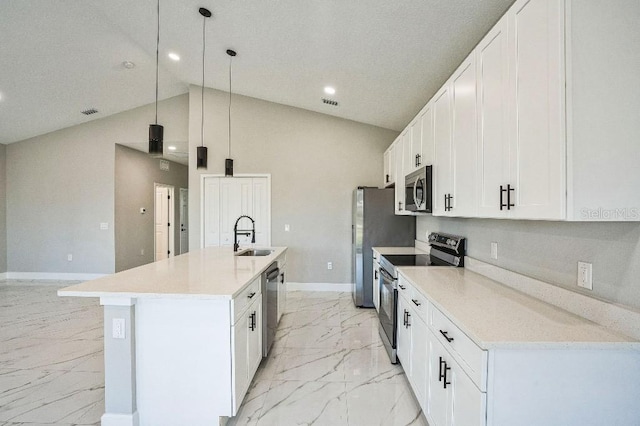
172,218
238,175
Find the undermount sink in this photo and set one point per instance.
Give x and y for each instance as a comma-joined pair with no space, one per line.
255,252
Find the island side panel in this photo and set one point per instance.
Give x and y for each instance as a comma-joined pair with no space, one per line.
120,363
563,387
183,349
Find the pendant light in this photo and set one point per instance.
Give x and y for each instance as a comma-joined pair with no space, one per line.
228,163
156,131
201,162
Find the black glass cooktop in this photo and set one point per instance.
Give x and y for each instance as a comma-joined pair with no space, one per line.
409,259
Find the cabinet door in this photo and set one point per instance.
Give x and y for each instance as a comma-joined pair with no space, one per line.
493,144
413,133
403,144
468,403
392,162
376,284
404,335
464,135
254,339
419,359
439,400
386,168
240,359
538,157
443,153
425,147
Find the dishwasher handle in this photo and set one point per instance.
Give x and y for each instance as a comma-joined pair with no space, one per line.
272,275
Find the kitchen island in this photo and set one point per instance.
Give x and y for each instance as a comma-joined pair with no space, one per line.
182,336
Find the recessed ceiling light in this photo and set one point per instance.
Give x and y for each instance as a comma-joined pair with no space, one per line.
174,56
172,148
329,90
128,65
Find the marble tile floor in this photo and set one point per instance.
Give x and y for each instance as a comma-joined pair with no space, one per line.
327,366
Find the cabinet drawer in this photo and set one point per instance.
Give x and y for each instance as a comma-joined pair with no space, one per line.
471,358
419,303
404,288
245,298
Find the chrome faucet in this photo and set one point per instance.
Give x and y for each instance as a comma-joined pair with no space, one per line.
246,232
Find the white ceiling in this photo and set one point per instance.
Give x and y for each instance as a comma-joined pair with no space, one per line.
385,58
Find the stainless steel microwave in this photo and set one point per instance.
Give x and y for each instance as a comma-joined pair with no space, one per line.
418,190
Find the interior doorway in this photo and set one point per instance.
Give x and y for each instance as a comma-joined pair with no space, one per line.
164,219
184,220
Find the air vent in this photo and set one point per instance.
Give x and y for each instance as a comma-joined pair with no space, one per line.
329,102
89,111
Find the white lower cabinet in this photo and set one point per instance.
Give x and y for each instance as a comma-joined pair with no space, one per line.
412,346
247,350
376,281
453,397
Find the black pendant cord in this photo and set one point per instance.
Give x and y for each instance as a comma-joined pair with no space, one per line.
230,61
204,23
157,59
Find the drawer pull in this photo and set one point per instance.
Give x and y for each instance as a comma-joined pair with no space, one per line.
250,296
445,375
415,302
404,318
444,333
408,323
402,287
440,375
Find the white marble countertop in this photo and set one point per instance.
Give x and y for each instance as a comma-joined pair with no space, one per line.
495,316
209,273
398,250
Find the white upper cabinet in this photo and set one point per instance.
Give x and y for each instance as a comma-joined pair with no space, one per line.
442,164
464,140
537,151
402,145
426,146
493,107
390,165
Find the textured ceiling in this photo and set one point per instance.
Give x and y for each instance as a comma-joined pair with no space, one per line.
385,58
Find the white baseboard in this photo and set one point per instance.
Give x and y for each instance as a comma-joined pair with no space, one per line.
111,419
319,286
56,276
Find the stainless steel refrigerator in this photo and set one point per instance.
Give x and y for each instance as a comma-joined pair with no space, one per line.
375,224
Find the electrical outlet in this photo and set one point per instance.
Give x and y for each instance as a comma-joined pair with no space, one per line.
69,257
585,275
142,252
494,250
329,265
118,328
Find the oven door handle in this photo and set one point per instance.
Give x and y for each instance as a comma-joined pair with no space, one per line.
386,277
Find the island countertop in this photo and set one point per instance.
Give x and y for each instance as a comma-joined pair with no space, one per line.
209,273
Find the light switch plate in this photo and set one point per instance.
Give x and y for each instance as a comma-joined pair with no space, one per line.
104,226
585,275
118,328
287,228
494,250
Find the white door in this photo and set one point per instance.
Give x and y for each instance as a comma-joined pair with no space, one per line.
226,199
184,220
163,214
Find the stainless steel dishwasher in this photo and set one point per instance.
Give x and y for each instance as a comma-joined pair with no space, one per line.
269,306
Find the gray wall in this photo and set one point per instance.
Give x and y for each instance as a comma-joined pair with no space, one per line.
549,251
61,187
3,208
315,161
136,174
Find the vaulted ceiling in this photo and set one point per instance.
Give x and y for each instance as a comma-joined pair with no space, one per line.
384,58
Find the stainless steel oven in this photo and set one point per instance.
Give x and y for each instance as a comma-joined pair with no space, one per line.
445,250
418,190
388,312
